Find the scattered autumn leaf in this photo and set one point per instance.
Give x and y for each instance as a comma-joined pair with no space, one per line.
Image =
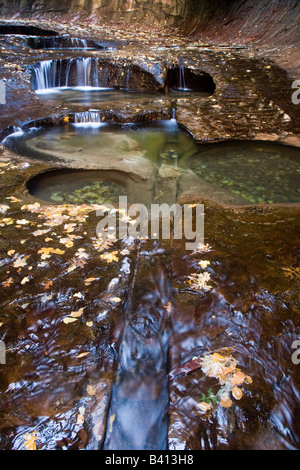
82,355
30,441
237,393
77,314
226,402
69,320
91,390
204,406
8,282
20,262
116,299
110,257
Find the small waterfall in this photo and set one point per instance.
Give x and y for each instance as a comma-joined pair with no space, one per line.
69,65
127,77
93,117
84,68
45,74
87,72
57,73
182,83
88,119
77,43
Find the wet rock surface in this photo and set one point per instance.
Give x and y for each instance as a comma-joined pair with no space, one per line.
78,311
252,96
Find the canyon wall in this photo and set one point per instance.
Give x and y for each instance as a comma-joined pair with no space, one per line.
243,21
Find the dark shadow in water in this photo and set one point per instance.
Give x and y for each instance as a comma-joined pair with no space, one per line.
138,417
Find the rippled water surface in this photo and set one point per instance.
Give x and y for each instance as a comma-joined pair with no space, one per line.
92,96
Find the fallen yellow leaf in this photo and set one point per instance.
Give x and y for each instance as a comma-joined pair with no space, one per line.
116,299
237,393
82,355
69,320
91,390
77,314
204,406
30,440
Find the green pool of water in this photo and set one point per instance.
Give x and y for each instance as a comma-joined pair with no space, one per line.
258,172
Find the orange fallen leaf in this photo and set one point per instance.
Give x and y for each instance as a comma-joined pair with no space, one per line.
77,314
69,320
90,280
48,284
204,406
237,393
116,299
91,390
82,355
8,282
30,440
226,402
238,378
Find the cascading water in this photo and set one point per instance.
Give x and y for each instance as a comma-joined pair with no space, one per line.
182,84
37,42
45,73
77,43
57,73
84,70
88,119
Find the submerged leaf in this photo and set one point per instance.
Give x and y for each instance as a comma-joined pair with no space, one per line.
30,440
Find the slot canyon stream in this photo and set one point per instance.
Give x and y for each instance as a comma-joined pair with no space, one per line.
136,342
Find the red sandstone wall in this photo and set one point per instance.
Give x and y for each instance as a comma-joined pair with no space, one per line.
243,21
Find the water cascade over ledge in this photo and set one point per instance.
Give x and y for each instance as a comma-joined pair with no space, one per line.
49,74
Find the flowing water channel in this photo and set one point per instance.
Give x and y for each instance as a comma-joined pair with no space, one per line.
108,355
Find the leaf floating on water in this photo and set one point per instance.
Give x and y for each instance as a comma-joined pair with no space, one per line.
90,280
203,264
226,402
91,390
48,284
38,233
47,252
80,416
77,314
238,378
116,299
30,440
8,282
204,406
224,369
69,320
82,355
293,273
110,257
237,393
20,262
